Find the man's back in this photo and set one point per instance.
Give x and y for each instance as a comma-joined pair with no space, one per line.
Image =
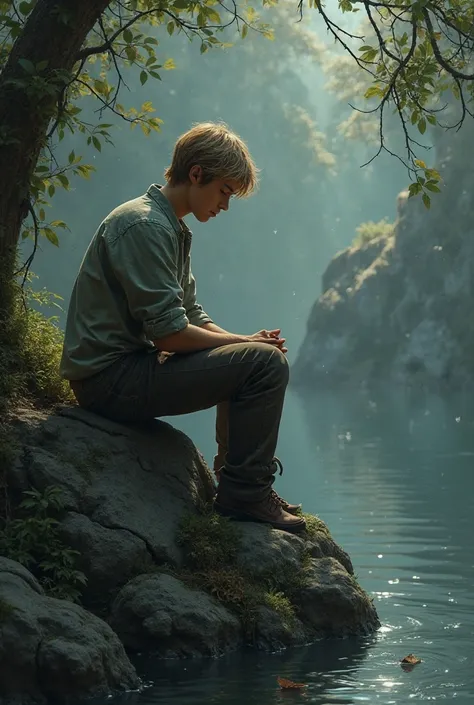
108,310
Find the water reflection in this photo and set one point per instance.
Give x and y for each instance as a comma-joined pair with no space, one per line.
393,477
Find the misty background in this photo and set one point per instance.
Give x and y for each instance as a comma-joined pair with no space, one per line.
260,264
392,478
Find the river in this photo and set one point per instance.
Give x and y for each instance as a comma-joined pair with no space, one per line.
394,481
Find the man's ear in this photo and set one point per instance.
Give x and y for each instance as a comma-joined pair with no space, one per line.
195,175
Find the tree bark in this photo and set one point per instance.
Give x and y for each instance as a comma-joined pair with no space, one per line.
54,32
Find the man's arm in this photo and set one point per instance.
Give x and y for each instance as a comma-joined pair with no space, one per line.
194,310
214,328
194,338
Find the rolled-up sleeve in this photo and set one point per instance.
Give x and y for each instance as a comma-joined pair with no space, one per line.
145,261
194,311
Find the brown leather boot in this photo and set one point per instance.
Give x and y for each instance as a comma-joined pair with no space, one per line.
291,508
267,511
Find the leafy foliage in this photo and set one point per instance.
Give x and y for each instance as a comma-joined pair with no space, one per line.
126,37
417,57
32,539
31,345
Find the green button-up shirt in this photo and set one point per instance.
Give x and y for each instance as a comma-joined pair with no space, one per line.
134,286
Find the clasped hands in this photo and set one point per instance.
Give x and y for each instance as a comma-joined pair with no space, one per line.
271,337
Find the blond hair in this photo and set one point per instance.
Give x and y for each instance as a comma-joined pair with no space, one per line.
219,152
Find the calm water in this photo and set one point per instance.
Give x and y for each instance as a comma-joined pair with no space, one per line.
394,481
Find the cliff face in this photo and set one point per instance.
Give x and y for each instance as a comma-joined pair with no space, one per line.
399,308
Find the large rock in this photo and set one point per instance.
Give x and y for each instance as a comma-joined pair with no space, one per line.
398,309
158,613
52,649
126,491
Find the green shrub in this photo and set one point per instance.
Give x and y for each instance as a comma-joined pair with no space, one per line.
32,538
30,348
367,232
211,544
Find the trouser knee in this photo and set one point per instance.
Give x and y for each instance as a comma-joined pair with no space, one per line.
276,362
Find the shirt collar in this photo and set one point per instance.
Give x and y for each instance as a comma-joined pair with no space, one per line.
178,225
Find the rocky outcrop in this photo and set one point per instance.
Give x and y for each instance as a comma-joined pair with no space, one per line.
126,493
52,648
156,612
398,309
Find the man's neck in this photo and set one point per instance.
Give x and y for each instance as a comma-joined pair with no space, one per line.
178,198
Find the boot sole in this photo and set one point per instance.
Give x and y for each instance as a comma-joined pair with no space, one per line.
243,516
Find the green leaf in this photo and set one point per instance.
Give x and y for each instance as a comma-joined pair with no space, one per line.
143,77
96,143
422,125
420,163
63,180
131,53
128,36
414,189
432,187
27,65
170,28
244,32
373,91
51,235
25,7
426,200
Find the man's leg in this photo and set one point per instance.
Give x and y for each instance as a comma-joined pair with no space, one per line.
222,440
252,378
222,436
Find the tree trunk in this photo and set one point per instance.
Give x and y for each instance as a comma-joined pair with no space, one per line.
54,33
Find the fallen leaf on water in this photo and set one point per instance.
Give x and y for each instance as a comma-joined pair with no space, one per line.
285,683
409,662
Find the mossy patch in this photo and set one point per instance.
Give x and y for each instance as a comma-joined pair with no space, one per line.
315,526
211,544
30,349
370,231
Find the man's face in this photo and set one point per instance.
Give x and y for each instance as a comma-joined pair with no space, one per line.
207,201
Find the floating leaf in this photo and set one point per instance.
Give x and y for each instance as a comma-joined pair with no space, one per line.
409,662
284,683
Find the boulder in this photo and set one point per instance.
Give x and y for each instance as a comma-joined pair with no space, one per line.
159,614
53,649
125,489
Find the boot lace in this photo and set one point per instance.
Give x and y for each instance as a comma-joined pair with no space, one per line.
275,497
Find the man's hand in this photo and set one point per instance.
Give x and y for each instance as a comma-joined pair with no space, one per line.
271,337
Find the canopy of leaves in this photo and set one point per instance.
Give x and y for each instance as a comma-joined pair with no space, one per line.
416,56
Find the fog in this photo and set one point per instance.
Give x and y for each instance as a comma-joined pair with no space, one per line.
260,264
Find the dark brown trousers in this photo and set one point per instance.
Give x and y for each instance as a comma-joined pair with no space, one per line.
245,381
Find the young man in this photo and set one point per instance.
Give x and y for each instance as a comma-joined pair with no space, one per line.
138,345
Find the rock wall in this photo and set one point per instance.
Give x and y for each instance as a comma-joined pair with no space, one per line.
399,309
